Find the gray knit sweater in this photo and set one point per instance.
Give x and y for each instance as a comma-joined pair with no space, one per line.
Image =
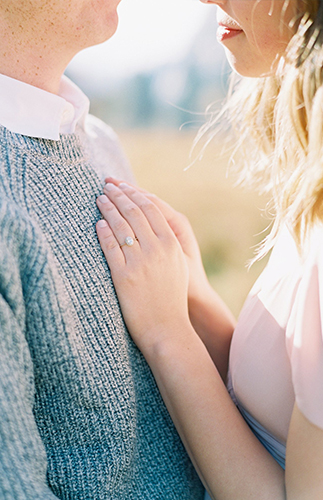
80,415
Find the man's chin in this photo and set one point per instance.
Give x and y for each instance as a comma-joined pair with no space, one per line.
102,32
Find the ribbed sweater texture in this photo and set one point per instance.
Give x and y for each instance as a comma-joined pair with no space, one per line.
81,417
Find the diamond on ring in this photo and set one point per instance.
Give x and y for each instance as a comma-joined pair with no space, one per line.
129,241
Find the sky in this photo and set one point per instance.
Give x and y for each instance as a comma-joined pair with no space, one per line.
150,33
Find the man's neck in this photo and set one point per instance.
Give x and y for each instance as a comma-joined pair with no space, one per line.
33,62
33,79
40,73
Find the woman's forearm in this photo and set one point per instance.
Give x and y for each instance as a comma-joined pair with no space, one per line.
214,323
231,461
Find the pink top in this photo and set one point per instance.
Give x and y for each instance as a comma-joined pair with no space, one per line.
277,348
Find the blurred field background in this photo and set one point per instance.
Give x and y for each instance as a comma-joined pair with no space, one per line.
160,71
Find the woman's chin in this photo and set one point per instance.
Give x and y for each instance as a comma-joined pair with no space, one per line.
249,68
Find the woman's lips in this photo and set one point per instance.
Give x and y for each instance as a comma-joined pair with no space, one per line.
226,32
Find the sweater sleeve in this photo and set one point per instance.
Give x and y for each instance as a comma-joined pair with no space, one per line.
23,463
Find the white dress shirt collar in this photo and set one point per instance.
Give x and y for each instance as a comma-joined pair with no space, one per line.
30,111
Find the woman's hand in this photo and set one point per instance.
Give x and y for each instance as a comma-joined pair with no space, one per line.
198,282
151,275
210,317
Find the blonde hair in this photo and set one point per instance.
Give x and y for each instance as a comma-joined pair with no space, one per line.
279,122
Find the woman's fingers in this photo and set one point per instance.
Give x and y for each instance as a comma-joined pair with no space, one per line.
177,221
115,234
126,217
142,214
164,207
132,217
109,244
117,182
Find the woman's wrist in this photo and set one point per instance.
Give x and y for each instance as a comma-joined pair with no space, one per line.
214,323
167,340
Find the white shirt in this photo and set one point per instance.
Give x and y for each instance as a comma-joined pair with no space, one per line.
28,110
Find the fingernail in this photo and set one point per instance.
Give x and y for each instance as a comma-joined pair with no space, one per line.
103,198
110,187
102,223
123,185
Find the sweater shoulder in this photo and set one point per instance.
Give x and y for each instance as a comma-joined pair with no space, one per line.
21,253
96,126
106,150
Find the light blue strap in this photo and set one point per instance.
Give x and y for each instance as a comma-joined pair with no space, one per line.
275,447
